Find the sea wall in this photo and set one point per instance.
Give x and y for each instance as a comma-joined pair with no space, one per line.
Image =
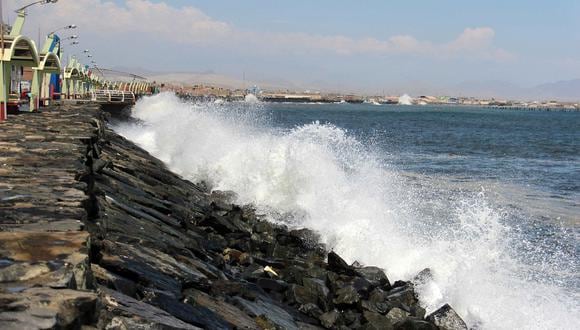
96,232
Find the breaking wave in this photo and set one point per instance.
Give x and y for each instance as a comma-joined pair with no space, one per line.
321,177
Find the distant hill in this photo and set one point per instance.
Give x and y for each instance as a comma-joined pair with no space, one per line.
487,89
567,90
220,80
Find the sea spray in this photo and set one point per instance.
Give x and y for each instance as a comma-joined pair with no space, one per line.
405,99
319,176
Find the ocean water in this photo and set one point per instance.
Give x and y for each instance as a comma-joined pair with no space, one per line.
489,200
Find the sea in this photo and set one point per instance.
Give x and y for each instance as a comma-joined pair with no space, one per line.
487,199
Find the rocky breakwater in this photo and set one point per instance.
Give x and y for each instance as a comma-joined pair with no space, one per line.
95,232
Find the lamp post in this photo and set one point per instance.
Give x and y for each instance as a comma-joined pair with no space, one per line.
20,18
42,2
67,27
53,42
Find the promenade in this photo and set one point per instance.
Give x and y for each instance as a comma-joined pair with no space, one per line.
48,207
44,250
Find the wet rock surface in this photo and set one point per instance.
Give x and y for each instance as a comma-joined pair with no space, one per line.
95,232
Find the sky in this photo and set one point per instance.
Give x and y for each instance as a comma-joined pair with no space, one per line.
367,45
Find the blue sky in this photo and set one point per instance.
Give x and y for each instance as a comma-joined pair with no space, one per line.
369,45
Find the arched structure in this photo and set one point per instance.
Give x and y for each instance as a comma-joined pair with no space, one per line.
18,51
22,49
49,64
74,76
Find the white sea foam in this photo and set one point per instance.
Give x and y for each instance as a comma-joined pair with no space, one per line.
405,99
320,177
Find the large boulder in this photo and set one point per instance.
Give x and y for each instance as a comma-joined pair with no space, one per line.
46,308
404,294
231,314
375,321
447,319
375,275
346,296
396,315
413,323
338,265
330,319
123,312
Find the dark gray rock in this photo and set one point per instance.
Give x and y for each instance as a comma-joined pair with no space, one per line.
417,311
397,315
404,294
228,312
114,281
99,165
268,309
346,296
272,285
124,312
329,319
45,308
447,319
352,319
375,276
253,273
298,294
376,307
361,285
335,281
338,265
197,315
311,310
316,285
375,321
412,323
377,302
223,199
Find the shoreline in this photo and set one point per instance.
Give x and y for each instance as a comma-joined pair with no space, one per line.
129,243
210,99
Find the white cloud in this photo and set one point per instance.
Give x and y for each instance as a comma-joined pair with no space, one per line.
473,39
137,17
189,25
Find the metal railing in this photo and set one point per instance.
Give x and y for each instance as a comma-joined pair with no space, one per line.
113,96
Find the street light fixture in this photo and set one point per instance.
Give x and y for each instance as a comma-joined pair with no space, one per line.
67,27
21,17
42,2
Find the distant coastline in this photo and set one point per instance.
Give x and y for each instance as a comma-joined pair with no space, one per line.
208,93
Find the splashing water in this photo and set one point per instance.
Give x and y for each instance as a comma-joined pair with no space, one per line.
251,98
332,183
405,99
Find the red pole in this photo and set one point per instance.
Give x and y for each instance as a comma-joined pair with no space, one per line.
3,112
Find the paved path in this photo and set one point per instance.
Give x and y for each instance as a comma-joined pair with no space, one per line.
44,262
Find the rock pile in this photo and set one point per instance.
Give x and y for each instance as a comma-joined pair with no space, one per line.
156,251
